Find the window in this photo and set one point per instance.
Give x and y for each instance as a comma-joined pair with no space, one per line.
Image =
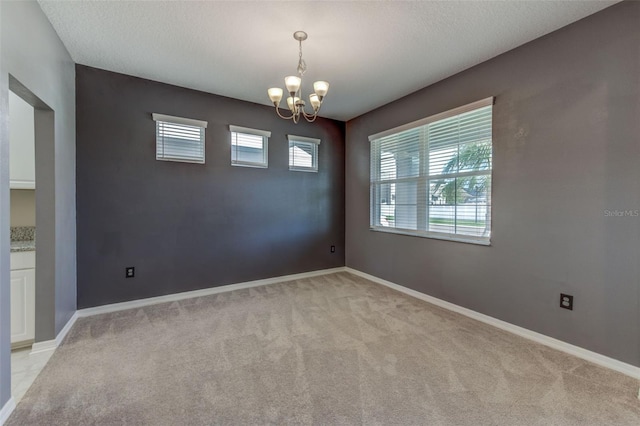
432,177
179,139
249,147
303,153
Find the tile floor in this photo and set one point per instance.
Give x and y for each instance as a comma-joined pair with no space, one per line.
24,370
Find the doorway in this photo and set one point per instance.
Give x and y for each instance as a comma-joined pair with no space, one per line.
32,287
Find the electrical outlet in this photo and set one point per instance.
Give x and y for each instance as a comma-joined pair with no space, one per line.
333,249
130,272
566,301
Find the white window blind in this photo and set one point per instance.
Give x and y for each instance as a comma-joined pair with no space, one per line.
249,147
179,139
303,153
432,178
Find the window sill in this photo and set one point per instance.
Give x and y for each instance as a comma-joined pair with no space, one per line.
433,235
181,160
255,165
302,169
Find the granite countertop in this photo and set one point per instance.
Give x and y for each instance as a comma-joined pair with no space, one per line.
23,238
23,246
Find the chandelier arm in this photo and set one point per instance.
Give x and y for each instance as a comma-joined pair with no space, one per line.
282,116
307,116
310,120
299,108
315,112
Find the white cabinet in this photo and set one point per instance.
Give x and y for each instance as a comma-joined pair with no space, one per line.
23,302
22,158
23,298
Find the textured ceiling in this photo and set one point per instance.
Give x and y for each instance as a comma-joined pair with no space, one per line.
370,52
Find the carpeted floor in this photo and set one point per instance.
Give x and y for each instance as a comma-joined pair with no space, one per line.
335,349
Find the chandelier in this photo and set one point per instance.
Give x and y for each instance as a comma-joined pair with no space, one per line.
294,87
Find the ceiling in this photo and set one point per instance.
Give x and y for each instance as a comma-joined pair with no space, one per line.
370,52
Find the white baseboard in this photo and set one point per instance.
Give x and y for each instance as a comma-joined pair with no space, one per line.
65,330
594,357
51,345
45,346
6,411
199,293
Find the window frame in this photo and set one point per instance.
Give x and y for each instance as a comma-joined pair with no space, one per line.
265,134
314,143
170,119
423,178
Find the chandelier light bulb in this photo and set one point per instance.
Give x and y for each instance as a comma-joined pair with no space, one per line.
275,94
315,101
292,102
321,88
293,83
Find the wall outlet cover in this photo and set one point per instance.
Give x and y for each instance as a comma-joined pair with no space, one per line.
566,301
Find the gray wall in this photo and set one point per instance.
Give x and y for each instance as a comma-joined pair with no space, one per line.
189,226
566,141
40,66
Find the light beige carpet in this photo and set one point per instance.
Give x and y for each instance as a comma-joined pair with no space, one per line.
335,349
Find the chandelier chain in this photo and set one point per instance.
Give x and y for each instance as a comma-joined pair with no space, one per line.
302,65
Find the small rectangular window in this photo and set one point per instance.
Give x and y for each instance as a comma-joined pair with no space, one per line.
432,177
179,139
249,147
303,153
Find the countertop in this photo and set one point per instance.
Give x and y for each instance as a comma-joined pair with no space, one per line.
17,246
23,238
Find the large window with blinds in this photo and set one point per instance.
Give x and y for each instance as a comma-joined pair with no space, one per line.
432,177
249,147
179,139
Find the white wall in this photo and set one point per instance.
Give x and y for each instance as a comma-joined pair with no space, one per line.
33,55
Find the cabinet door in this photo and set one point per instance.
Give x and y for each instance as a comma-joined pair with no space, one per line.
22,159
23,305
